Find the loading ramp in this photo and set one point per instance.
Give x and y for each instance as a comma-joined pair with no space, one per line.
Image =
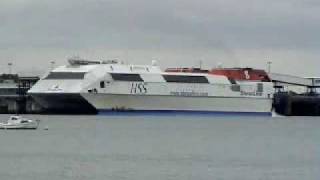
284,79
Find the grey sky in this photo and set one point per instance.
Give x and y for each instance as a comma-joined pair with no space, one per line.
174,32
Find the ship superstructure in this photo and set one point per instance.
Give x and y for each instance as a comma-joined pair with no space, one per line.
59,90
119,87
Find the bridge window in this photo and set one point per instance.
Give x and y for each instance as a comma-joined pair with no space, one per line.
126,77
66,75
185,79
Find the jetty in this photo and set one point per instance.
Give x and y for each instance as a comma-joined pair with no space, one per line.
296,96
13,94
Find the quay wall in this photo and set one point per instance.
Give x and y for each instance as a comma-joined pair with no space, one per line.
19,105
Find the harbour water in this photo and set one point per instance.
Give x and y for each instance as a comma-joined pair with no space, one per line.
162,147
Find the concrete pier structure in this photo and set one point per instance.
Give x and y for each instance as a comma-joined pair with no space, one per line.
296,96
13,94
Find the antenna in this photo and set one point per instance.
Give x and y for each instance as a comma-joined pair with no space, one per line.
10,67
269,66
52,64
154,63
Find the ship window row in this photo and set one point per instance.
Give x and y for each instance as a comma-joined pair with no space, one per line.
66,75
168,78
126,77
185,79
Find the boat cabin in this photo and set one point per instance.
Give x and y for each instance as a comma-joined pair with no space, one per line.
17,119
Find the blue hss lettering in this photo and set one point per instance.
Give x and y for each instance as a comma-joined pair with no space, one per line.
138,88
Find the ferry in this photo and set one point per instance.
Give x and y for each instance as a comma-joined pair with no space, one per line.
146,88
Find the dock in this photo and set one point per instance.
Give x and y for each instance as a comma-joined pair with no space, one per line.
289,101
13,94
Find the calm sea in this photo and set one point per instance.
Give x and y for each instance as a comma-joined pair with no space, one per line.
162,147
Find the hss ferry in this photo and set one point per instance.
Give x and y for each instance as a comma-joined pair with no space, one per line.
120,87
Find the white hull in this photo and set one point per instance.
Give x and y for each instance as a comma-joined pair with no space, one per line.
107,102
111,86
33,125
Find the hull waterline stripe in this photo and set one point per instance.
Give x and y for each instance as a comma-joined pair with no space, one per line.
180,112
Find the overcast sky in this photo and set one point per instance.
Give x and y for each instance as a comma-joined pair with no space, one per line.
173,32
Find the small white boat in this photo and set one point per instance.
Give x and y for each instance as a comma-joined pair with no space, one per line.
18,122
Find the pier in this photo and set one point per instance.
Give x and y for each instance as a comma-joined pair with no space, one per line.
296,96
13,94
